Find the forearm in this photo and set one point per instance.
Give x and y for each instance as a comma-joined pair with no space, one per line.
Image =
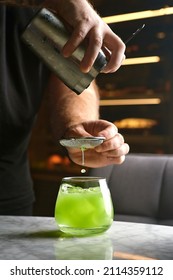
32,3
55,5
68,109
25,3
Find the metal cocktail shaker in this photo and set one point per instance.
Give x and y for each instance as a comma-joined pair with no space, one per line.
46,35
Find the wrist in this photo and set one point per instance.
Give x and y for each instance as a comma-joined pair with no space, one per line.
23,3
53,5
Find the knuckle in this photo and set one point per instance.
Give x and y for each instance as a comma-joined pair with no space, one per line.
121,159
121,45
86,18
121,138
127,147
98,41
81,33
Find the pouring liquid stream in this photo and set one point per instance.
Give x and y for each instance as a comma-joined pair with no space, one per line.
82,143
83,170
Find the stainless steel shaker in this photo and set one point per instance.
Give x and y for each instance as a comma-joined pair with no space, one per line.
46,35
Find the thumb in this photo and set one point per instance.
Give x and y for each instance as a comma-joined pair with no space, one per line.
108,132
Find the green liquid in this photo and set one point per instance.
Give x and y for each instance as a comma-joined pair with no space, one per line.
83,211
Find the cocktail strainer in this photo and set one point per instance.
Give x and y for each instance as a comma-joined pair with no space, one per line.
82,142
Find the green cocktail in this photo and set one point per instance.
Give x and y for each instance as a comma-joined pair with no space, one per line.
84,206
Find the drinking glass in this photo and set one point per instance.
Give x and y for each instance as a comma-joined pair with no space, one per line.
84,206
94,247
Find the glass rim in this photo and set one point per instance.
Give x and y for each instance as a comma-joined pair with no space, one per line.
83,178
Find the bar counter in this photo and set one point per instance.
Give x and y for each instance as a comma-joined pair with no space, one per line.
38,238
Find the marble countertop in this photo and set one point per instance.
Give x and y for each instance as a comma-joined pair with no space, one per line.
23,238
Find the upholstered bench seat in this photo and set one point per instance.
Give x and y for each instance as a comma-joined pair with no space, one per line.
141,188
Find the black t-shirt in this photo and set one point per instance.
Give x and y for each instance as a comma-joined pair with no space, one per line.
22,79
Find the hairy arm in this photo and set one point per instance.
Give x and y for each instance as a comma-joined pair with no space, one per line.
24,3
78,116
68,109
54,5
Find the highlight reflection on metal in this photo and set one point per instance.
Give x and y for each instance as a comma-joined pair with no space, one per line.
134,34
83,142
46,35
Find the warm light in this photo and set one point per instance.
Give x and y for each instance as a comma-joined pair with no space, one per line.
128,256
133,101
141,60
139,15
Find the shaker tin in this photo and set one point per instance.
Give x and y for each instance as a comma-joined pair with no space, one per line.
46,35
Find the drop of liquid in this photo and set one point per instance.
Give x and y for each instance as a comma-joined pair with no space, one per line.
83,170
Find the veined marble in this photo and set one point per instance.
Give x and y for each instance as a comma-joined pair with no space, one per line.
33,238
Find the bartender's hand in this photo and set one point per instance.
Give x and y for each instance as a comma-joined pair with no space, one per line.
111,151
86,23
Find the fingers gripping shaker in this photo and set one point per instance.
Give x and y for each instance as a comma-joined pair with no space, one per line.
46,35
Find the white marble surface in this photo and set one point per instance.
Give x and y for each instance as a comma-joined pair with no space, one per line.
38,238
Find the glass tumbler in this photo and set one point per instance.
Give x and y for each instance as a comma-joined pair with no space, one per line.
84,206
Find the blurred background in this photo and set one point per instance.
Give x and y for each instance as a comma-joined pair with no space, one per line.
138,98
